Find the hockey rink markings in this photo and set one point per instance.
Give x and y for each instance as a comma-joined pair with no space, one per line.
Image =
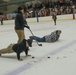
30,64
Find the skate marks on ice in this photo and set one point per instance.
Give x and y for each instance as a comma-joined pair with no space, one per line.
40,59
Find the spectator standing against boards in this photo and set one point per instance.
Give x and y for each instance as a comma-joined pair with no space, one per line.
54,17
1,19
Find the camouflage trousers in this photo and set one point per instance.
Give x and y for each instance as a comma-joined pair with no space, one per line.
7,50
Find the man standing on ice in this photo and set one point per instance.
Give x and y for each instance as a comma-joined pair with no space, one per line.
20,23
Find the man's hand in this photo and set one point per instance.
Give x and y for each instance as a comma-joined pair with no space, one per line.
27,26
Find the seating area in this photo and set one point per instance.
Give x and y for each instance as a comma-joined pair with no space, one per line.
42,9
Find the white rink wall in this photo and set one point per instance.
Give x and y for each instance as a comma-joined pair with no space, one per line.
43,19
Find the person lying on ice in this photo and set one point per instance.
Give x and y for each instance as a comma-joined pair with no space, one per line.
53,37
18,48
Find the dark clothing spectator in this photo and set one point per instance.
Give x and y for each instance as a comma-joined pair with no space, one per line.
2,21
54,17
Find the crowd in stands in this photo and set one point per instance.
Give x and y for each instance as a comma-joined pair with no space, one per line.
46,8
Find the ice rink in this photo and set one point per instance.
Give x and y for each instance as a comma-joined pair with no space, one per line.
62,53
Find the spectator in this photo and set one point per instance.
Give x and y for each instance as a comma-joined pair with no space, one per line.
54,17
1,19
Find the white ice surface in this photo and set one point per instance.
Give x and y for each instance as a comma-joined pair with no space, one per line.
62,53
